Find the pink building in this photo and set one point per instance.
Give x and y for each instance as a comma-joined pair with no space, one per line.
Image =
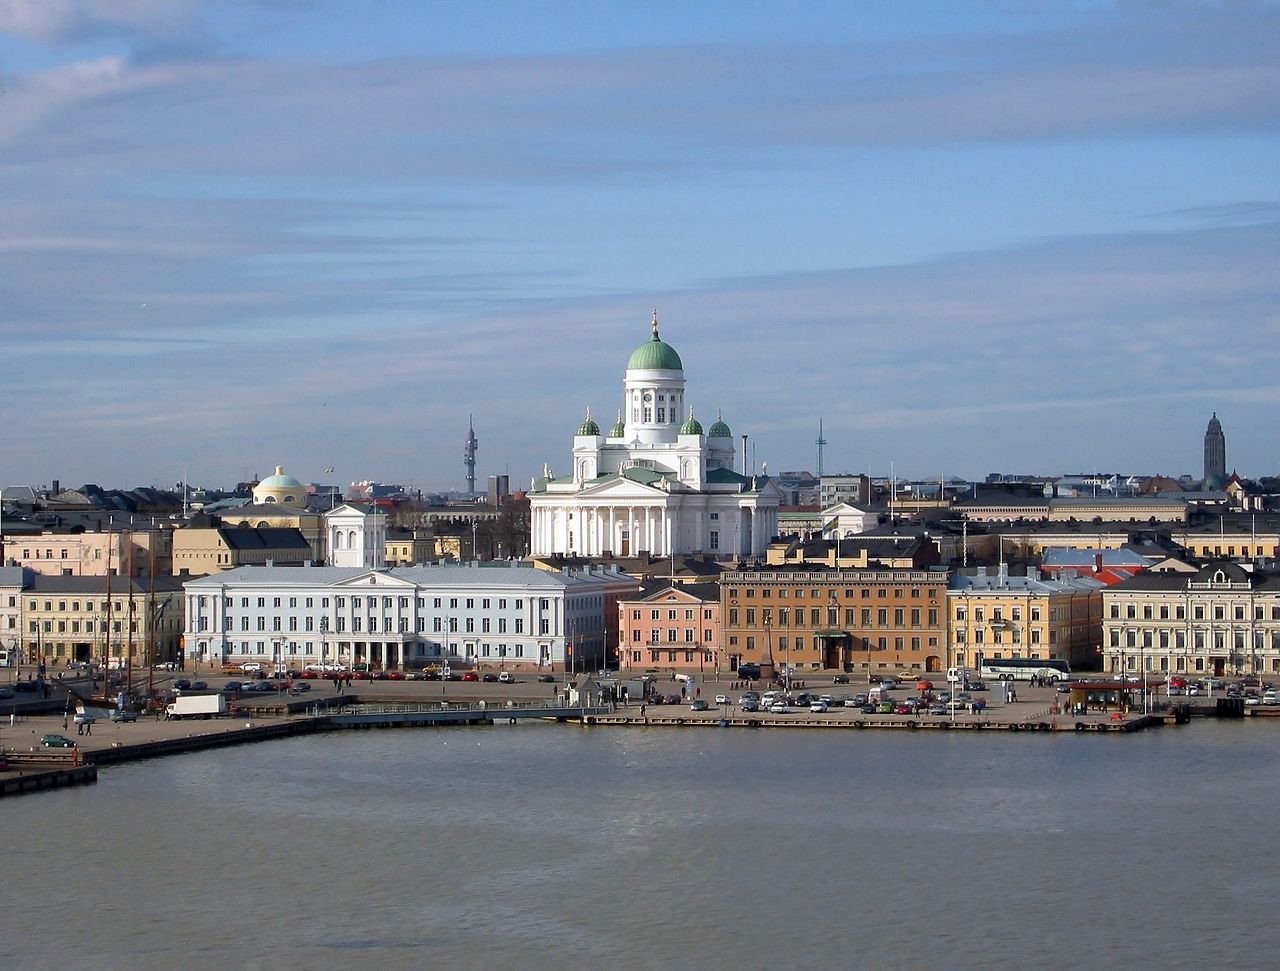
674,628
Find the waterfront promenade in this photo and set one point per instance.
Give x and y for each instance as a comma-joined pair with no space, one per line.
263,717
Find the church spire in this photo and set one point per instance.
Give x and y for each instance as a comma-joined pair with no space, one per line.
655,323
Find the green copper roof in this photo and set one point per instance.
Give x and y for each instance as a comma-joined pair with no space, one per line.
655,354
588,426
691,426
719,429
619,430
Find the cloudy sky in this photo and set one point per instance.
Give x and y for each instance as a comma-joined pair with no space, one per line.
970,236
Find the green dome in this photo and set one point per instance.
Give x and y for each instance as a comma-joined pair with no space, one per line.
655,354
691,425
619,430
588,427
719,429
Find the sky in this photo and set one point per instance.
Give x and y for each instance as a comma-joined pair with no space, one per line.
1025,237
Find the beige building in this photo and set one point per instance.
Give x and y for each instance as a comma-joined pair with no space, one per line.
1221,620
66,618
998,617
83,554
199,551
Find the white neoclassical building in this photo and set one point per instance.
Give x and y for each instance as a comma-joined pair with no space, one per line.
511,615
656,483
355,537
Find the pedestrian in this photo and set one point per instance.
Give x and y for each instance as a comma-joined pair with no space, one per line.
642,711
88,726
79,728
64,721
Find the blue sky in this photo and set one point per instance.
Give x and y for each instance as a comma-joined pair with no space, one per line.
1028,237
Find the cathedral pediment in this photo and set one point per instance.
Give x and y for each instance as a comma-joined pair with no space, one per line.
622,487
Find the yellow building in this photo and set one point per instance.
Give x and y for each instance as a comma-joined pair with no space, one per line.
998,617
199,551
65,619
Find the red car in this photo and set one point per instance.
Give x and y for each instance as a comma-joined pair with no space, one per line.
309,674
471,676
361,676
395,675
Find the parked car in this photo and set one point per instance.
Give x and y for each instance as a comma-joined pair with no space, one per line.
885,708
57,741
779,708
699,704
182,684
123,715
231,687
199,686
84,718
547,678
6,692
249,667
26,686
818,706
506,677
471,676
722,700
749,705
840,679
490,677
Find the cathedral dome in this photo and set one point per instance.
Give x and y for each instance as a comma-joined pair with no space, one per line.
619,429
691,426
655,354
719,429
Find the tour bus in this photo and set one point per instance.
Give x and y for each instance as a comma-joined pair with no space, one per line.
1025,668
749,672
8,657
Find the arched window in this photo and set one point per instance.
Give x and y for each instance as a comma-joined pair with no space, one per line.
351,539
337,539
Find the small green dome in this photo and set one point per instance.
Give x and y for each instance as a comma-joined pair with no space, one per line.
691,425
719,429
588,426
655,354
619,430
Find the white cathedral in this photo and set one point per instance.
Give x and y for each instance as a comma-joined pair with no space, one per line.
656,483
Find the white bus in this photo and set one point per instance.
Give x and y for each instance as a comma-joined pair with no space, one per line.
1025,669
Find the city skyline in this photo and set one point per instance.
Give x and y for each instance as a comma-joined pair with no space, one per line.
244,235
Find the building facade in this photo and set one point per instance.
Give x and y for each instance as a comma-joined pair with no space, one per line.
995,617
674,628
1221,620
198,551
68,618
656,483
834,620
508,616
84,553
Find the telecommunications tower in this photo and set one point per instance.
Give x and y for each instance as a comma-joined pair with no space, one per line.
469,456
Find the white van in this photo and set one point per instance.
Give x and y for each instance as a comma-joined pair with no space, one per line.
957,675
878,693
1271,697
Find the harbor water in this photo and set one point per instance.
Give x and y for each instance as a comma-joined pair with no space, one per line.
542,846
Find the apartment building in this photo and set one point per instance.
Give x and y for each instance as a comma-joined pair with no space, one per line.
1221,620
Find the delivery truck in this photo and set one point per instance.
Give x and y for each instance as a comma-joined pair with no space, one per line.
197,706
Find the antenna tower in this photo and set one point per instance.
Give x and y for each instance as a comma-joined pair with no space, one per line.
821,443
